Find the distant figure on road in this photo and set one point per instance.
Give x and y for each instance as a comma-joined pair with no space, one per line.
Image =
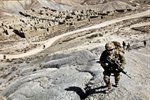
124,45
128,47
144,42
43,46
110,54
4,57
25,50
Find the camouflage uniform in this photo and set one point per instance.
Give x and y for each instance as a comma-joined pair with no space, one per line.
116,55
118,46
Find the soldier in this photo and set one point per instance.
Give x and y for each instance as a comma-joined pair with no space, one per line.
44,46
109,69
144,42
118,46
124,45
4,57
128,46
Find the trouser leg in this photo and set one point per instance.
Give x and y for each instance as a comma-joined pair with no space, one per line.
117,78
107,81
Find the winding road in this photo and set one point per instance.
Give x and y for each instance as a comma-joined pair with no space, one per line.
140,25
50,41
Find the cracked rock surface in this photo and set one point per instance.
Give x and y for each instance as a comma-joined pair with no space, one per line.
77,79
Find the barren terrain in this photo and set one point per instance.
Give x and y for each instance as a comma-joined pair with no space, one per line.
51,54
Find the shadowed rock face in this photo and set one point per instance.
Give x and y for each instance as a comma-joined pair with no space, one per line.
50,83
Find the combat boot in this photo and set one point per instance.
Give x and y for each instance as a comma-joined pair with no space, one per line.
116,84
109,88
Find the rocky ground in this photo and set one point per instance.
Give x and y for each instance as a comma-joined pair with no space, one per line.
68,64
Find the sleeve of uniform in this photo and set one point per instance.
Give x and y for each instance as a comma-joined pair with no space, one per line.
102,60
122,60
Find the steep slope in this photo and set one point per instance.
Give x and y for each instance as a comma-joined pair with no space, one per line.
68,73
142,1
69,76
66,66
16,5
21,5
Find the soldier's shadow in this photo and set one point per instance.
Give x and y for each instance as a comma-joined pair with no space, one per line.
85,93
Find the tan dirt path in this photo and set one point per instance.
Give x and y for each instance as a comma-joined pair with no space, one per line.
49,42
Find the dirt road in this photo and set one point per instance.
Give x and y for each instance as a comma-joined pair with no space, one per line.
49,42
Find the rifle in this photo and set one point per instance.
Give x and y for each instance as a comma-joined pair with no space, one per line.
116,65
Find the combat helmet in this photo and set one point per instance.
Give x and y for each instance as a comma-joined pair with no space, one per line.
117,44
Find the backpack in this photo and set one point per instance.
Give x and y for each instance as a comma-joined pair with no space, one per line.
118,46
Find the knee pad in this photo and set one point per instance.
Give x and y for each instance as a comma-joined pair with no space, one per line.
107,79
117,78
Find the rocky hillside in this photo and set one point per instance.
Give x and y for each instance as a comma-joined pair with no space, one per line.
14,6
142,1
52,54
32,25
68,69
